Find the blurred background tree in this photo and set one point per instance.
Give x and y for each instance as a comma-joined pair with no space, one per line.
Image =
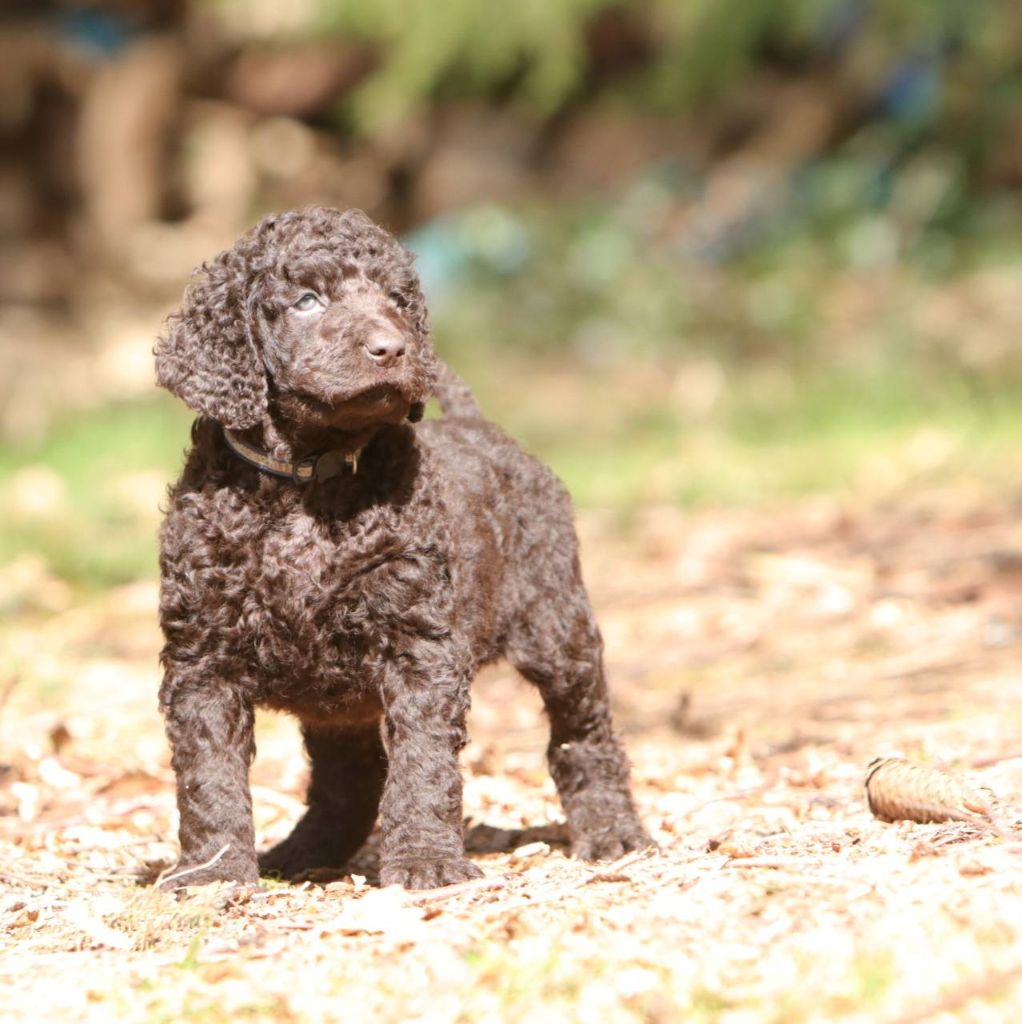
773,244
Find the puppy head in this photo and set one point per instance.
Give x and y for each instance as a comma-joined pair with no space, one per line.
315,313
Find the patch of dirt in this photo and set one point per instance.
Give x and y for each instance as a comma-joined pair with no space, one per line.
759,662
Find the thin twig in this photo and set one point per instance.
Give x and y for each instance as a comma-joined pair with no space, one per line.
738,794
613,870
978,988
14,879
784,867
9,685
769,862
93,810
607,872
987,762
8,688
449,892
160,879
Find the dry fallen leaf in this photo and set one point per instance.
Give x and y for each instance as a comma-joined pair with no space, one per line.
388,911
814,911
80,915
530,851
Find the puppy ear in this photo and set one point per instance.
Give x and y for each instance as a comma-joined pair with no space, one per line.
207,355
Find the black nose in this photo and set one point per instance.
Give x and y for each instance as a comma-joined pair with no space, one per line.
385,347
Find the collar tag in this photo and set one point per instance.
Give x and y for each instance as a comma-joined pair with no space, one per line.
331,463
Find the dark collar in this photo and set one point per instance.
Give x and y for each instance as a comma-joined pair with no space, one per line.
321,466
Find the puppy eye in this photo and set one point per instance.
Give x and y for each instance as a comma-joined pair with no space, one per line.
307,303
399,300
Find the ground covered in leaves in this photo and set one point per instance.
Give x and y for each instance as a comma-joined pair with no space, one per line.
759,661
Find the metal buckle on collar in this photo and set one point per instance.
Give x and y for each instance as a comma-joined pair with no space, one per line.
305,471
324,466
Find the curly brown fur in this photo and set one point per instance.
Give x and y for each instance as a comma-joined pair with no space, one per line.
361,599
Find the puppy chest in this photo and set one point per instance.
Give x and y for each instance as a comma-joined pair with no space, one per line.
302,604
315,600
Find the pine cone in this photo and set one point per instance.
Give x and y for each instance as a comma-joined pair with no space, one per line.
898,790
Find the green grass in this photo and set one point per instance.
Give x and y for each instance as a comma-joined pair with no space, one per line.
827,432
86,500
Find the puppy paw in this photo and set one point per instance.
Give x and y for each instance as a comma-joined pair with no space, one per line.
610,842
291,861
428,873
323,838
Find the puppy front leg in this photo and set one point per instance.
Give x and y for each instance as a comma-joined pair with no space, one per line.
209,726
425,699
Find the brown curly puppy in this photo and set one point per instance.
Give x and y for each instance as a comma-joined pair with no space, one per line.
323,556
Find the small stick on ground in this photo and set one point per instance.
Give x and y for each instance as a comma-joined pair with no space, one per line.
6,689
978,988
449,892
163,877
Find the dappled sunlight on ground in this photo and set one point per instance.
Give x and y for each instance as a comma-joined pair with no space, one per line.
759,660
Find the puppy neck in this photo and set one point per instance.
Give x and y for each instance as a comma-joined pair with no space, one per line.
289,443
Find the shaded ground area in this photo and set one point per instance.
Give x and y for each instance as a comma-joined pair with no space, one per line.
759,661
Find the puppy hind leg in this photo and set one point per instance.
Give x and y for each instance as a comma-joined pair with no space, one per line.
348,770
560,651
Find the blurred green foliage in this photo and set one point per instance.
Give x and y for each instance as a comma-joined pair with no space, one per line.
620,436
849,325
603,281
540,53
856,345
534,46
86,499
